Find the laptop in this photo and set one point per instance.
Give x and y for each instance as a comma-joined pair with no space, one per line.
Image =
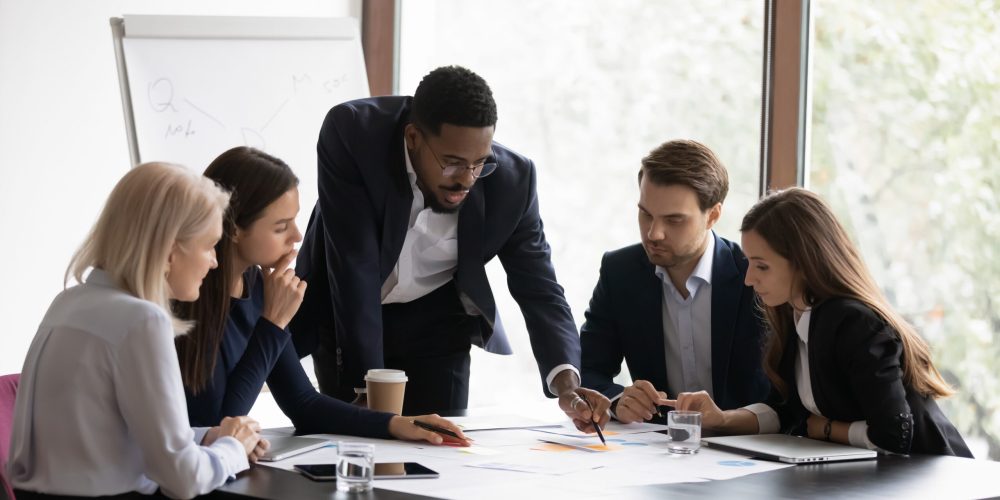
283,447
789,449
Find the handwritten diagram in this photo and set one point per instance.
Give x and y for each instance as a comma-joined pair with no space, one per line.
186,118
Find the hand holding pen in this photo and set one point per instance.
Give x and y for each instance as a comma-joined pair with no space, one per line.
586,407
448,436
432,429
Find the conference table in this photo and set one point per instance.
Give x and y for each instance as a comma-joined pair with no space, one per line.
892,476
884,477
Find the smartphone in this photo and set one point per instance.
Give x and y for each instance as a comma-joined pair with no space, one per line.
388,470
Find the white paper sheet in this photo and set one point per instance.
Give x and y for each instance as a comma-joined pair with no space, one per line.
524,467
612,429
493,422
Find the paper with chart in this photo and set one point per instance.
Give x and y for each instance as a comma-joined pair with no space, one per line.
518,463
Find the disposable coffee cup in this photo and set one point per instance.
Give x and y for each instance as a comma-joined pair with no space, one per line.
386,389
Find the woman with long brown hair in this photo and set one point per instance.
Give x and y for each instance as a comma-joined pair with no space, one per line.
240,338
844,366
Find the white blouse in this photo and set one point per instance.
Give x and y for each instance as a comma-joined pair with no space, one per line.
767,418
100,409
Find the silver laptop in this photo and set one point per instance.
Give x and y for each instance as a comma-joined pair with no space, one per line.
283,447
789,449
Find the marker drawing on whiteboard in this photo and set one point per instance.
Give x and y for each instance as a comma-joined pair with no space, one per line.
334,83
300,80
275,114
202,111
253,138
161,95
179,130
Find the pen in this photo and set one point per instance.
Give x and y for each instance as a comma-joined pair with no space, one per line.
434,428
594,423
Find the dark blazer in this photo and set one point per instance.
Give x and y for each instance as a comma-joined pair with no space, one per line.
357,229
855,367
625,320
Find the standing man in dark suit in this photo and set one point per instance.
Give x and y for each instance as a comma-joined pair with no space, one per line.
675,307
414,199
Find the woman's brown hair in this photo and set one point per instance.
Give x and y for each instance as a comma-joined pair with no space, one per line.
800,227
255,179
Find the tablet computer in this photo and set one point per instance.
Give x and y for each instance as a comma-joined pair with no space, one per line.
389,470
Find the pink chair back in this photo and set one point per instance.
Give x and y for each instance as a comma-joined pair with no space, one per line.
8,391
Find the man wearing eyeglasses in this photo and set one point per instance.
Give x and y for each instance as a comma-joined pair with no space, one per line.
414,199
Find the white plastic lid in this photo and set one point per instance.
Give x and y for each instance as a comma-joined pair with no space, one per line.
385,375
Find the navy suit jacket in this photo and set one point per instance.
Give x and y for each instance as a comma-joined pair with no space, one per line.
357,229
625,320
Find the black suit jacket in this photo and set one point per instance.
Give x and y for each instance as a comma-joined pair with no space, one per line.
855,368
357,229
625,320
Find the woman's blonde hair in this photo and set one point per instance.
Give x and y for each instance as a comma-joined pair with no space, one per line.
800,227
152,208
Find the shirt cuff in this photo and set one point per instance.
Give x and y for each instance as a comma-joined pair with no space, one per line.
767,418
199,434
556,371
857,435
616,398
231,455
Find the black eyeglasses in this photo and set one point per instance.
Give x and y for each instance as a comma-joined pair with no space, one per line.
455,167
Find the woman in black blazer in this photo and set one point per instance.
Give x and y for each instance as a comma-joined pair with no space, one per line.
844,366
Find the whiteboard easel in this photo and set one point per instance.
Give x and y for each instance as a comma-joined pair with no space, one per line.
195,86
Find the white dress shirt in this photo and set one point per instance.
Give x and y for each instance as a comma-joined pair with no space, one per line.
100,409
767,418
429,258
687,327
430,250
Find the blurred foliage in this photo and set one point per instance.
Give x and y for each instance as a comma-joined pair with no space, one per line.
906,146
586,88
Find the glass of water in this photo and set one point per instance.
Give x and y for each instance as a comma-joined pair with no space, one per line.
684,430
355,466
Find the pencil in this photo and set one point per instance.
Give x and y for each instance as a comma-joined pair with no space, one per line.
594,423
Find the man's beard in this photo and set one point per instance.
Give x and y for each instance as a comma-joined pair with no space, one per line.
431,200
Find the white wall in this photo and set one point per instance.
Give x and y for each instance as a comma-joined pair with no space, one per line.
62,136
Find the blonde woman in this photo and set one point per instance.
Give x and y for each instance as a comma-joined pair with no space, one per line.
100,410
844,365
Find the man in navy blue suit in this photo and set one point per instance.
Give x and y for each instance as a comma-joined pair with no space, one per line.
675,306
414,199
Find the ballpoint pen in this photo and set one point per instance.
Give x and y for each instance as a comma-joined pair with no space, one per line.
439,430
594,423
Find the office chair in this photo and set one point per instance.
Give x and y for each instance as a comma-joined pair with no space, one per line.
8,391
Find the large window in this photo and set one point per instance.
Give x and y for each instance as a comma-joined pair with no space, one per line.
586,88
905,146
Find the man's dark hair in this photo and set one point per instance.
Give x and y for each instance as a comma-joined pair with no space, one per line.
453,95
688,163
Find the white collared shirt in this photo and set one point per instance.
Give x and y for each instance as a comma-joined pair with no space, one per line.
429,258
687,327
767,418
100,408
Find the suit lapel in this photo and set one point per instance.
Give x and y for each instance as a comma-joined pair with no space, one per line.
727,287
648,298
471,274
398,200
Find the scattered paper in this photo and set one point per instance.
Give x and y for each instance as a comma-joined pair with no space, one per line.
499,422
612,429
552,469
